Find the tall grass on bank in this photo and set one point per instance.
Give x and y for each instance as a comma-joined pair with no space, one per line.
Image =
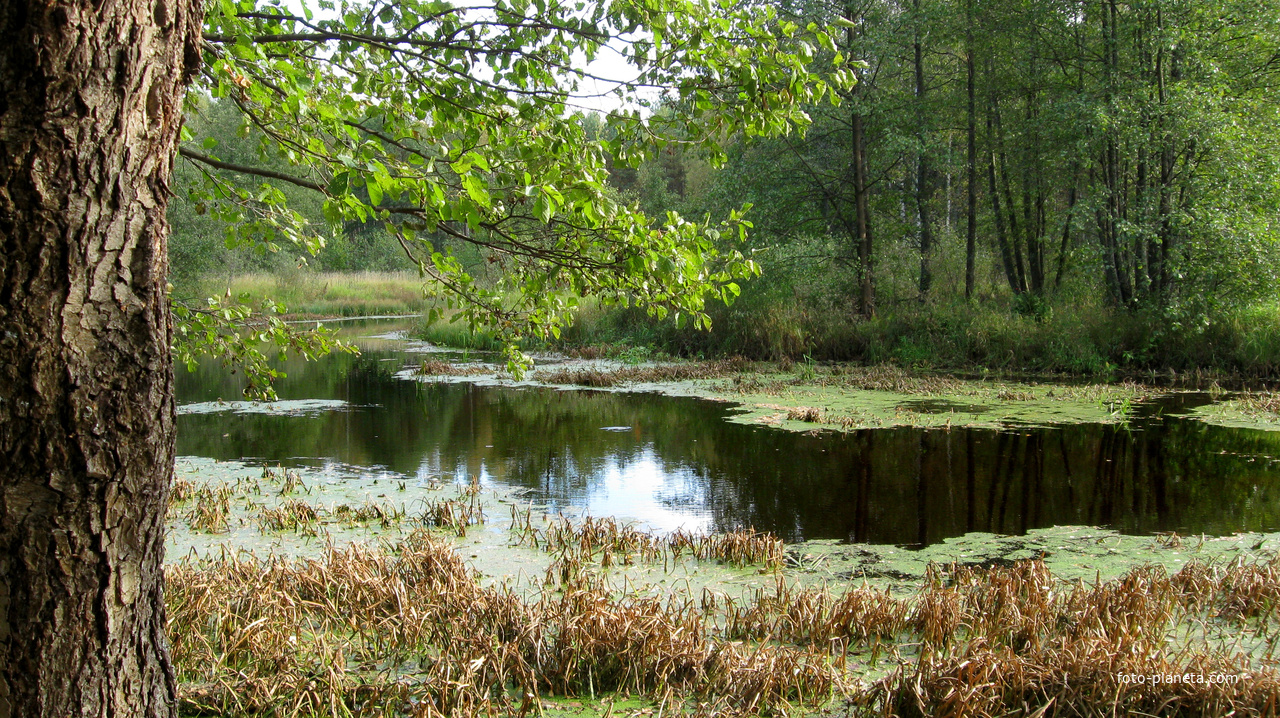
326,294
1072,335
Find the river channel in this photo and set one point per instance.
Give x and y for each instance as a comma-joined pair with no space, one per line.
670,462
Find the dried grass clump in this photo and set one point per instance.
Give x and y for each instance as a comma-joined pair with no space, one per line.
408,629
451,514
1078,679
815,617
743,547
1014,605
806,413
444,368
292,515
883,377
385,514
1127,389
1262,402
1236,591
609,542
1027,645
290,480
886,377
211,512
180,491
603,378
605,538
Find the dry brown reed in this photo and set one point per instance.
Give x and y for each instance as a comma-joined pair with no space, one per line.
815,617
610,542
180,491
451,514
1101,392
602,378
211,512
741,547
444,368
1077,679
290,480
1261,402
1242,589
292,515
384,514
1014,641
806,413
407,629
883,377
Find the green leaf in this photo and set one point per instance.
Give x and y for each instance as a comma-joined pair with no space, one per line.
475,188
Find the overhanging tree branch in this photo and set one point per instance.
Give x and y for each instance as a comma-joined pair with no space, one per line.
245,169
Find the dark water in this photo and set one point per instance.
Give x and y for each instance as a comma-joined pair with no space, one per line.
671,461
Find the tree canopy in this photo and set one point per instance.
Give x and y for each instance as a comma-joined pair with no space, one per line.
454,125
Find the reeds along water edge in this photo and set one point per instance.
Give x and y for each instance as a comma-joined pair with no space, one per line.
407,629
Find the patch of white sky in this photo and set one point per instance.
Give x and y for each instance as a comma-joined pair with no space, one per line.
608,72
607,83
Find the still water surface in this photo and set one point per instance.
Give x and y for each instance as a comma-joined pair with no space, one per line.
671,462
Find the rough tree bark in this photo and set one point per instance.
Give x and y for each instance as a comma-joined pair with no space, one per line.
90,110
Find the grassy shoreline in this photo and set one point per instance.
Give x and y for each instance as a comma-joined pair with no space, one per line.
1067,338
322,295
1070,341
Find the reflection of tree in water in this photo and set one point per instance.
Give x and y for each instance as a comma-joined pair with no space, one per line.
905,485
913,486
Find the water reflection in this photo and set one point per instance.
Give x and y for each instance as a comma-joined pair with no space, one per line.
673,462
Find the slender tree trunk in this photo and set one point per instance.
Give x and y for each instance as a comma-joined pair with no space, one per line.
1065,247
1115,264
924,178
1033,198
866,276
90,109
1007,240
1141,285
861,207
971,231
1002,169
1006,255
1159,254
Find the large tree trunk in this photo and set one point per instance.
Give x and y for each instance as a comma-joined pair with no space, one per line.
90,110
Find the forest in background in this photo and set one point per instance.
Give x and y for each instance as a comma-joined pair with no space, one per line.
1044,185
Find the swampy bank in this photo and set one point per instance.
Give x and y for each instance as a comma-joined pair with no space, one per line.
413,532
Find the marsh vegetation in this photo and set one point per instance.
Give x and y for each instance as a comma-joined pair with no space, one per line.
404,625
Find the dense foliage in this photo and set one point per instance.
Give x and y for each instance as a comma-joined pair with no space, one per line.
1112,162
451,127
